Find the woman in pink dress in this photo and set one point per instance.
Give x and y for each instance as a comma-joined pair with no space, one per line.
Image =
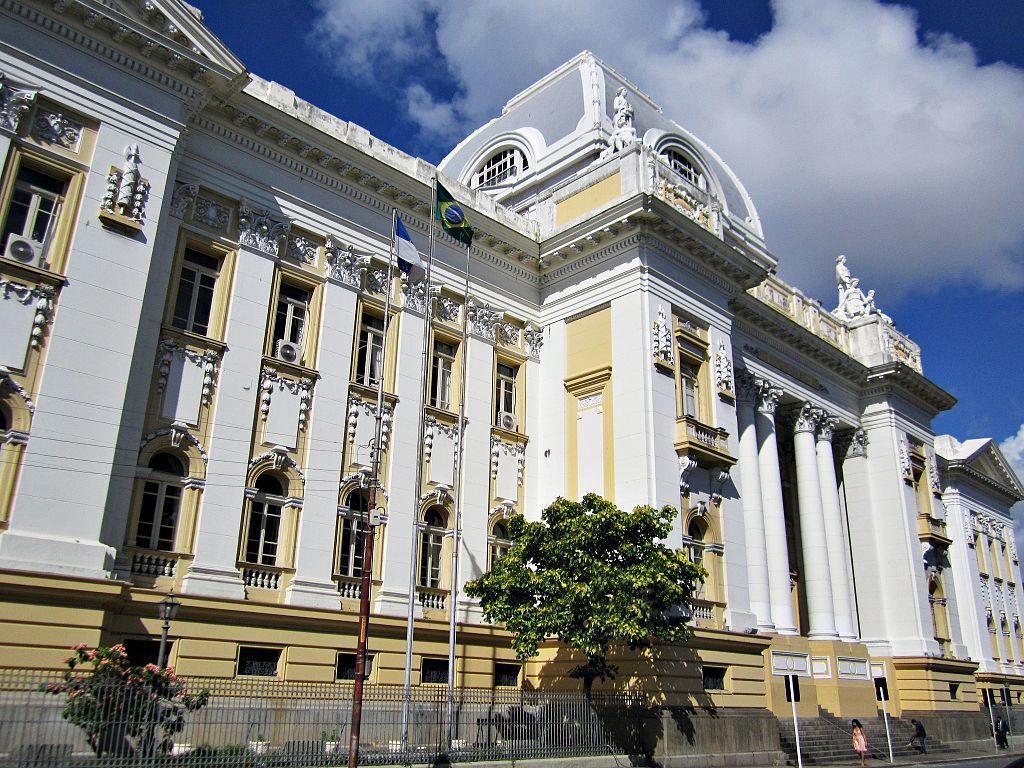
860,740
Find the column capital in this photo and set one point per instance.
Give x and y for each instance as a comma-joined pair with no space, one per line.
826,426
768,395
853,443
806,418
746,386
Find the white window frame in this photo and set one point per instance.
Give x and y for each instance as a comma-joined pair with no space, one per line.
37,195
266,506
189,323
442,365
431,570
164,487
501,167
504,390
370,352
293,326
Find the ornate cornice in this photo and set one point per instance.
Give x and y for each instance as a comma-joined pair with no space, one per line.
952,469
899,378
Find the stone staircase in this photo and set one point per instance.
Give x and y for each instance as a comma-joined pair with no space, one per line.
826,739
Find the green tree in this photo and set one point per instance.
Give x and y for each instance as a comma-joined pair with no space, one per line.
123,709
592,575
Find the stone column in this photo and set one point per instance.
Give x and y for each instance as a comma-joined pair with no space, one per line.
774,516
817,577
753,516
834,535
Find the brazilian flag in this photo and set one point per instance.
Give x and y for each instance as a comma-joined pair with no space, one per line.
452,217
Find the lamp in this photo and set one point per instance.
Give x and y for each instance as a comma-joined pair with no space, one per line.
168,609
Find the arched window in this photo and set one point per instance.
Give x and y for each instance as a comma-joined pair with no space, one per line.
435,522
161,503
500,167
5,421
695,545
499,541
264,524
353,535
685,167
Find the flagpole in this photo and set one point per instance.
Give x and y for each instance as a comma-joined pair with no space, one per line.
459,499
368,531
410,617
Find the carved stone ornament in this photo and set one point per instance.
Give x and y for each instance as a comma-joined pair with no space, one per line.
747,389
507,333
280,459
179,433
661,337
432,425
207,361
623,131
970,528
806,419
826,426
302,249
482,319
853,303
211,214
933,473
376,281
414,294
718,480
270,380
183,199
504,510
768,396
127,192
686,466
905,459
257,230
7,380
723,370
858,444
707,213
56,128
358,407
15,103
342,262
40,295
534,338
448,309
517,450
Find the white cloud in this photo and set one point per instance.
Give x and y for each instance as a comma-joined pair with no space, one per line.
1013,449
851,135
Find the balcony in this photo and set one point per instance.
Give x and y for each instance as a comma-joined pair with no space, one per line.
707,614
261,576
434,599
709,445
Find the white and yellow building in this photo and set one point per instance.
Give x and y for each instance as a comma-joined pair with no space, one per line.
193,325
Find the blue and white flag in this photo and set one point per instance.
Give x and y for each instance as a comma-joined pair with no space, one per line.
409,260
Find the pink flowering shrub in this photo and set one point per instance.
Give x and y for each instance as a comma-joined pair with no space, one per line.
124,710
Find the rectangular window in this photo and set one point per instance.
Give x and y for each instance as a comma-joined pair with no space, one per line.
505,397
158,516
430,559
264,529
141,652
714,678
689,383
441,375
258,662
31,216
370,354
290,318
194,300
350,555
345,668
506,675
434,671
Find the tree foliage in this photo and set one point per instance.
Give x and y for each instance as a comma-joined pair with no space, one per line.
124,709
592,575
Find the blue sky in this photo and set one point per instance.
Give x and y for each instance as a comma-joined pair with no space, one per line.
891,132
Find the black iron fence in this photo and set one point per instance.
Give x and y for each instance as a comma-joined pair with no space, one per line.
261,722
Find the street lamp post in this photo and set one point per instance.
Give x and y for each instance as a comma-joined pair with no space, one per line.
168,608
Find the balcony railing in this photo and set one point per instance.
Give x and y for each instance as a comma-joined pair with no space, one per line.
261,577
148,563
432,598
709,444
349,587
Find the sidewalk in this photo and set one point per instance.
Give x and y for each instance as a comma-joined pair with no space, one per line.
965,757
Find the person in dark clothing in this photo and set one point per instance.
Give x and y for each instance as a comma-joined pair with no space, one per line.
1002,731
919,736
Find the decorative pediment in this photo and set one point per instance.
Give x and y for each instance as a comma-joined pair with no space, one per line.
980,460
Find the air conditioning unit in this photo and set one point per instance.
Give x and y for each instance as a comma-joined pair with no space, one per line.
507,421
24,251
288,351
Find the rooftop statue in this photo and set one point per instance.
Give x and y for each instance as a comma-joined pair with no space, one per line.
852,301
624,133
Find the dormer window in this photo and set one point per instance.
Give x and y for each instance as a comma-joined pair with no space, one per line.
685,167
501,167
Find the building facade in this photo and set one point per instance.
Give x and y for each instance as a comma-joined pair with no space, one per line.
197,316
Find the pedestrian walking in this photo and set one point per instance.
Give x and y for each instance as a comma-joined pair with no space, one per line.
860,740
919,736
